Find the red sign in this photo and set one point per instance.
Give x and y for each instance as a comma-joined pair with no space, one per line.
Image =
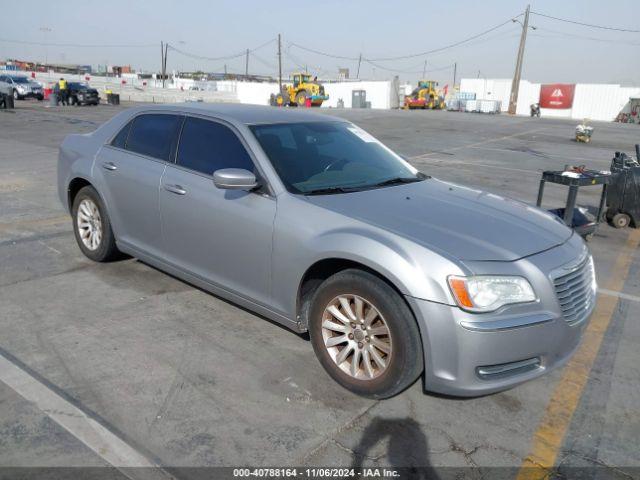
557,95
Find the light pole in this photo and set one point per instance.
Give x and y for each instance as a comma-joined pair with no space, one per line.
44,31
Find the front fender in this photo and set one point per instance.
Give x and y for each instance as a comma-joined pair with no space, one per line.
299,244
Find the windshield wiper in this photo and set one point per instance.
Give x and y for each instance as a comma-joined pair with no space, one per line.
331,190
400,180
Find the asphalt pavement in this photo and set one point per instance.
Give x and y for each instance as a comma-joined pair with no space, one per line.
164,373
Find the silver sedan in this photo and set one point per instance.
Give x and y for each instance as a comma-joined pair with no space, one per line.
312,222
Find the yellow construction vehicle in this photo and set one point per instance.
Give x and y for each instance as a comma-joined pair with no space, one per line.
302,92
425,96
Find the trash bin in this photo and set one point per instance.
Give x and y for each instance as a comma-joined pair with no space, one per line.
53,99
113,99
623,200
8,101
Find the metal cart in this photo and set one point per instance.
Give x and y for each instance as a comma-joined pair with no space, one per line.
581,223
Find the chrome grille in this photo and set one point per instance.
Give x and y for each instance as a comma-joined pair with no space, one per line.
575,291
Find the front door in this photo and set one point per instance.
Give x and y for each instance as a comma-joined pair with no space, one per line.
221,236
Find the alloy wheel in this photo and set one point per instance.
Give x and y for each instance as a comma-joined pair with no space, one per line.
89,224
356,337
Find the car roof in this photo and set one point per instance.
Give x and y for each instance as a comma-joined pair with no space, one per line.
247,114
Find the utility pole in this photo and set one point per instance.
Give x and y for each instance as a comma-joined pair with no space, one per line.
455,71
280,63
478,74
246,66
515,86
424,69
359,62
225,70
162,61
164,64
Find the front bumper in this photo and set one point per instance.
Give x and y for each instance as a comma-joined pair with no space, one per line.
469,354
31,94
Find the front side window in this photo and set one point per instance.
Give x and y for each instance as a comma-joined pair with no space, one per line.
154,134
207,146
331,157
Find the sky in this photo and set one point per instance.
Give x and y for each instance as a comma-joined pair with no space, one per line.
128,32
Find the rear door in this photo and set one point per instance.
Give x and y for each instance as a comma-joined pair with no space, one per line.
222,236
130,169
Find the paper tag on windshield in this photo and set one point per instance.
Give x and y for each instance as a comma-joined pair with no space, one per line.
364,136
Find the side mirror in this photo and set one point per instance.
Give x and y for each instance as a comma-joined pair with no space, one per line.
234,179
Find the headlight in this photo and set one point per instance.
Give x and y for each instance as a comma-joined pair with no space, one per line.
20,88
486,293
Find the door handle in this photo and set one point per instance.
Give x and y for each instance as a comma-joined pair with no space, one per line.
109,166
177,189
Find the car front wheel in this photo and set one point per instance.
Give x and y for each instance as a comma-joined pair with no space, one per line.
365,335
92,227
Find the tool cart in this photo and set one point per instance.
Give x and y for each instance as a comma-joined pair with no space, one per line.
577,218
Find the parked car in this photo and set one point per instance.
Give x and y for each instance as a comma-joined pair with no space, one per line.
81,93
310,221
23,87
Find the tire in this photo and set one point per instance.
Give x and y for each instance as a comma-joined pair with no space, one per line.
16,95
301,98
84,208
621,220
401,346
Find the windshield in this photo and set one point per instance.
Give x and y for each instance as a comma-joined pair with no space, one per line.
78,86
331,157
20,79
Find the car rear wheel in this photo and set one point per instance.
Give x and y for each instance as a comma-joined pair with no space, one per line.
92,227
365,335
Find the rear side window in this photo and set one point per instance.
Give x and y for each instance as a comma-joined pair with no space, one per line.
154,135
207,146
120,139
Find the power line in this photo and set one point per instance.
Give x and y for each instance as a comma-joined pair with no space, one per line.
202,57
407,71
78,45
591,25
226,57
581,37
446,47
273,67
330,55
413,55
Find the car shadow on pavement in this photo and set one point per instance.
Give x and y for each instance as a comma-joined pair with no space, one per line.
407,448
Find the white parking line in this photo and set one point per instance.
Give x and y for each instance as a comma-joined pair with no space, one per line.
624,296
87,430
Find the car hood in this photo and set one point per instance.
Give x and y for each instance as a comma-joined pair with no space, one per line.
466,223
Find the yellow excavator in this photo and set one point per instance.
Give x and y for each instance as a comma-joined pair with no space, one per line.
425,96
303,90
